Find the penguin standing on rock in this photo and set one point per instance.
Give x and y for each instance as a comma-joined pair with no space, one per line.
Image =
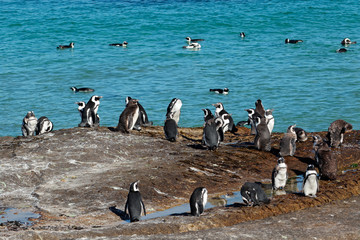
336,132
134,204
173,110
44,125
262,139
219,112
252,194
171,129
89,116
311,182
326,160
212,133
270,120
279,174
128,117
29,124
251,120
288,142
198,201
142,119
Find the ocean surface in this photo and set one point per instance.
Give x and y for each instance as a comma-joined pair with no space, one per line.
308,83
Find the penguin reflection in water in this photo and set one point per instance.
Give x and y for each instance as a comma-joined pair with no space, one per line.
252,194
311,182
198,201
134,205
172,119
128,117
89,116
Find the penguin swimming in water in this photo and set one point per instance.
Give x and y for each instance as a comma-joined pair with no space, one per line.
341,50
252,194
75,89
123,44
220,91
301,135
44,125
134,204
71,45
292,41
173,110
262,139
288,142
279,174
326,161
128,117
29,124
211,133
189,40
347,41
193,43
242,34
171,130
89,116
311,182
219,112
143,118
336,132
198,201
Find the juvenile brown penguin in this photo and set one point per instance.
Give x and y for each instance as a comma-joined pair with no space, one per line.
301,134
128,117
29,124
262,139
336,132
288,142
326,160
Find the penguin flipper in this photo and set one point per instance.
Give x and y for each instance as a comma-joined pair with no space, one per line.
201,207
143,207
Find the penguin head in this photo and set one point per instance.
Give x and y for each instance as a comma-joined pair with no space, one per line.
188,39
73,88
346,41
250,111
132,102
95,99
287,40
127,100
207,113
125,43
242,34
134,186
269,112
281,160
219,123
218,105
226,90
72,44
310,167
81,105
291,129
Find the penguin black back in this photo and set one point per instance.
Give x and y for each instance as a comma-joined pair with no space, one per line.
134,205
170,129
198,201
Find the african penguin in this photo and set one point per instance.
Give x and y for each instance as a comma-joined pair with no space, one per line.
128,117
292,41
29,124
123,44
198,201
220,91
44,125
336,132
170,129
311,182
142,119
75,89
89,116
259,108
279,174
326,160
219,111
134,204
301,135
251,120
189,40
81,107
207,115
242,34
211,133
270,120
262,139
252,194
173,110
71,45
341,50
347,41
288,142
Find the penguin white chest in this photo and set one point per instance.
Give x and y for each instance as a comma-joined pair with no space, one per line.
133,119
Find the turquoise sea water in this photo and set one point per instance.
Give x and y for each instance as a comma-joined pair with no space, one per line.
308,83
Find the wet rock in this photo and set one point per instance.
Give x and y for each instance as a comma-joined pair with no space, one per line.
73,176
